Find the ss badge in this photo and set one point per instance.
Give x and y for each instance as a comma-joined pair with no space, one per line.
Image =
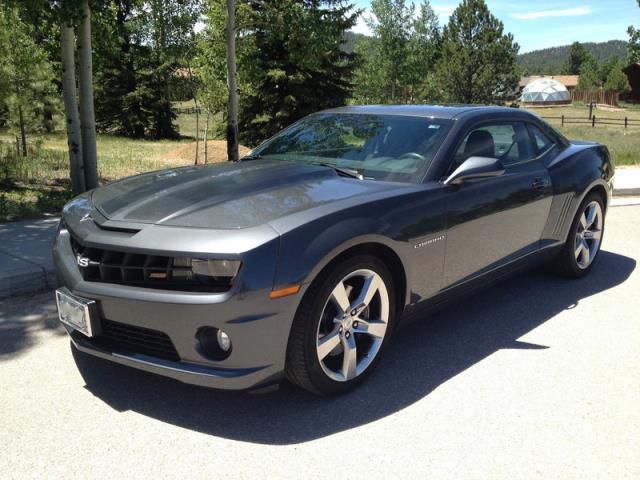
82,261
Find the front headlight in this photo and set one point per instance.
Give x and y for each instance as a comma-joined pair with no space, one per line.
215,268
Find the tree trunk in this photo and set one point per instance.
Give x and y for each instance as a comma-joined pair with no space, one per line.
23,131
206,139
74,140
195,102
87,114
232,117
197,129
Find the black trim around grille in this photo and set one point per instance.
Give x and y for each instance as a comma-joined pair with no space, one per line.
122,338
149,271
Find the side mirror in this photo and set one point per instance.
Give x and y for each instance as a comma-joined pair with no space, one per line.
475,167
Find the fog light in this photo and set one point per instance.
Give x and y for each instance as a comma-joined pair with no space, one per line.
213,343
224,342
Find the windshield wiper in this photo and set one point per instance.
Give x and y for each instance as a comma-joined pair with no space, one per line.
251,157
345,172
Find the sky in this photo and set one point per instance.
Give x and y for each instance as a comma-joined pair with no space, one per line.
548,23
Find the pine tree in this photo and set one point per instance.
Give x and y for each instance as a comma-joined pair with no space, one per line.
578,55
40,16
589,75
27,90
119,103
617,80
296,65
478,61
139,46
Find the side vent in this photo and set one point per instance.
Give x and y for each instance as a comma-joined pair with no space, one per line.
564,213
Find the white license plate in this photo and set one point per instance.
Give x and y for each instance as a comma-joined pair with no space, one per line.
75,312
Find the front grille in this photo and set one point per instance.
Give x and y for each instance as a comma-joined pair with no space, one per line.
120,337
150,271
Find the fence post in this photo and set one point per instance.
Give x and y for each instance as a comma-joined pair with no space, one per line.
590,110
593,121
626,122
562,121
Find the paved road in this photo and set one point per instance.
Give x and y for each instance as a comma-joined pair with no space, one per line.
537,378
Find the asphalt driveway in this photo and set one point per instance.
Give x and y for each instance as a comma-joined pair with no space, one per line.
538,377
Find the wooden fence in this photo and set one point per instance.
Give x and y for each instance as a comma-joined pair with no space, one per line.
595,120
187,111
604,97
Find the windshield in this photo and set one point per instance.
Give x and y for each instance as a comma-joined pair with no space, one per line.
380,147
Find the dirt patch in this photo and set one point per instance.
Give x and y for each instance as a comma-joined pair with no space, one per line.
217,152
609,108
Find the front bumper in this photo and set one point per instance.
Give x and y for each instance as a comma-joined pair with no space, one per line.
257,325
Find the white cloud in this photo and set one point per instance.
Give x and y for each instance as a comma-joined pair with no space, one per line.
361,25
567,12
443,11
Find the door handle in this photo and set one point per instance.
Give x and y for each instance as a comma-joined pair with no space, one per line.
539,183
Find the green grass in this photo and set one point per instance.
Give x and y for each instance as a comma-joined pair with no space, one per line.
624,144
187,122
117,157
39,184
187,126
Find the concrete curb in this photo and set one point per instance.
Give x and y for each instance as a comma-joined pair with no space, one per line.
26,264
626,192
29,280
626,182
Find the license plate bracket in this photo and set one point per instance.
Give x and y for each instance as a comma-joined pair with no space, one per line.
77,313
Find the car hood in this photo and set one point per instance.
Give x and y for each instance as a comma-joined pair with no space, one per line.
226,196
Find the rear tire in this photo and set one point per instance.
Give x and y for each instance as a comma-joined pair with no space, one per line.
583,243
342,326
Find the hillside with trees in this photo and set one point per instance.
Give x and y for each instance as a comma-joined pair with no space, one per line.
550,61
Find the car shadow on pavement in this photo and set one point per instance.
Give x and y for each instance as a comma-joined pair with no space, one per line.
422,356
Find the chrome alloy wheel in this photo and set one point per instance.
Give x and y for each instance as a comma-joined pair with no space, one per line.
588,235
353,325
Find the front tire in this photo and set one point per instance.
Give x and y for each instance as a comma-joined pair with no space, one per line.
342,326
583,244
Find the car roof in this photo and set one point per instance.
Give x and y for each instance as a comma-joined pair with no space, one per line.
429,111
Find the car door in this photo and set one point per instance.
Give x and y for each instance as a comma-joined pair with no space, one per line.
492,221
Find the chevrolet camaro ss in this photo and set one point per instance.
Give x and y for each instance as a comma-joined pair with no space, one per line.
301,260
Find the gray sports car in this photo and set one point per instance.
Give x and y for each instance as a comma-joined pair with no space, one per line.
301,260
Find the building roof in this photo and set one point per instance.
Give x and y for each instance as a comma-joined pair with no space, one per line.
569,81
545,90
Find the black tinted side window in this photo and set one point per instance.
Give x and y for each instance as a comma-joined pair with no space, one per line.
507,141
541,142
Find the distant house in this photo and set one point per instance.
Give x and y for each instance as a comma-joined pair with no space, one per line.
570,82
183,72
633,75
545,92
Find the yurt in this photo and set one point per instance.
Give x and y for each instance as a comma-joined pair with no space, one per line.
545,91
